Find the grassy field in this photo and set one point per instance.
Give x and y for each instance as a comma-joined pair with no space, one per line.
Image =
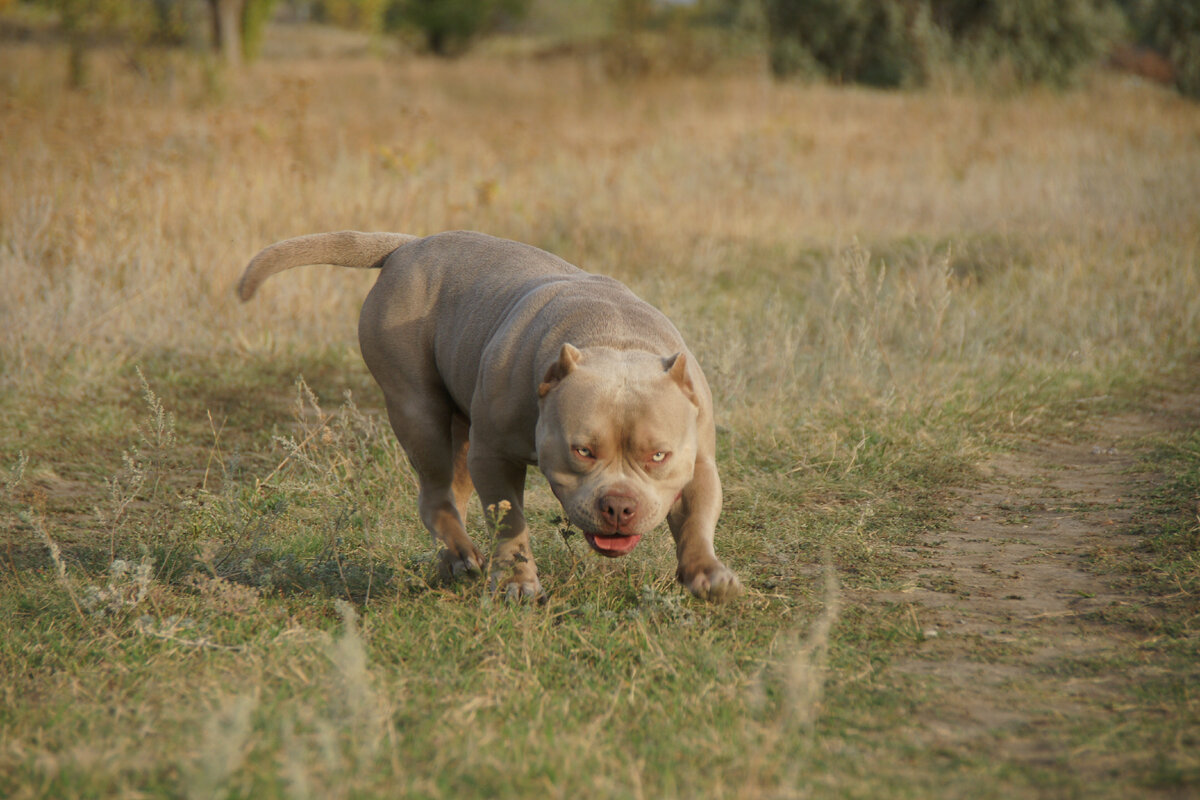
213,581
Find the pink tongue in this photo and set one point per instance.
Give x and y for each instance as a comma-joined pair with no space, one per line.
616,544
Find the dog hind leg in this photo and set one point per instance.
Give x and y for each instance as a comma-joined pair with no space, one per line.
436,445
463,487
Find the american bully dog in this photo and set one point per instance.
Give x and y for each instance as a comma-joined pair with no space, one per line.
494,356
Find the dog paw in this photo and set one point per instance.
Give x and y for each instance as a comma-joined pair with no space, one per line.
454,565
516,587
714,582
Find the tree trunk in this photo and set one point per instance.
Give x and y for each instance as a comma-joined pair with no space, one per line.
77,43
227,30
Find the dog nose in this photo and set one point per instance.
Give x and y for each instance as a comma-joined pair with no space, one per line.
618,510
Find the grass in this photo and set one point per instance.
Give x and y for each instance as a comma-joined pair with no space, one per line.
883,289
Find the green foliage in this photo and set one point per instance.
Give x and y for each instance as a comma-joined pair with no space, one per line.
853,41
1173,28
137,21
81,21
1036,40
896,43
172,22
449,26
255,15
138,24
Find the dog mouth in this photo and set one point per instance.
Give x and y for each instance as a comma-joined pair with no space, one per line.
612,546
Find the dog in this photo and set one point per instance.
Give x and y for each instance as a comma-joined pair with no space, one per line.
494,356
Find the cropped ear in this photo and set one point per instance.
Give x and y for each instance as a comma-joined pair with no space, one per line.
568,357
676,367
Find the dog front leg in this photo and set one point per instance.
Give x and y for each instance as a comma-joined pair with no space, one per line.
501,487
693,521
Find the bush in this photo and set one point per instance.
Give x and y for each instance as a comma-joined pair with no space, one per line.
449,26
1038,41
1172,27
845,40
899,42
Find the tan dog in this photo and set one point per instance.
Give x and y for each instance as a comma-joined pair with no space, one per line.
534,362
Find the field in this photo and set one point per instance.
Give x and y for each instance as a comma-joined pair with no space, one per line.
954,342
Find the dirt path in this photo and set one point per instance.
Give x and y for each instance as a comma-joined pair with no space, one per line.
1024,652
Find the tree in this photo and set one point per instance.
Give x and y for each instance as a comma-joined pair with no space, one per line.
227,29
238,27
449,26
82,21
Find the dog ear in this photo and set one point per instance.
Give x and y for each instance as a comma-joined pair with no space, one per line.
676,367
568,357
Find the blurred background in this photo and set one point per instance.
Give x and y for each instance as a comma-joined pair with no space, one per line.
889,43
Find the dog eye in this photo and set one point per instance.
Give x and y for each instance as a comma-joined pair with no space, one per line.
659,457
583,452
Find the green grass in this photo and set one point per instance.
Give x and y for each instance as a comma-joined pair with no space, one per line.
240,672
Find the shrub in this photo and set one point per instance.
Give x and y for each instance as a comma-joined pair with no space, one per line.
1172,27
845,40
898,42
1038,41
449,26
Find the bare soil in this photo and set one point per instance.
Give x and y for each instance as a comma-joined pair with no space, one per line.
1017,613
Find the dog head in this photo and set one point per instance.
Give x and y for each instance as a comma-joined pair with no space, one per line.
616,439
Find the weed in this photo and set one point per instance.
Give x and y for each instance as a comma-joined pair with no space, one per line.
126,588
805,670
222,748
16,473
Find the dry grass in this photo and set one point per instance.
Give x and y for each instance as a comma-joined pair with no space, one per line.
880,286
129,211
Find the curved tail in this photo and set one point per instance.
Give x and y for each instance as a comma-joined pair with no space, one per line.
342,249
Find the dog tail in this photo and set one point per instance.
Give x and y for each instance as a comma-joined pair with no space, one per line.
341,249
